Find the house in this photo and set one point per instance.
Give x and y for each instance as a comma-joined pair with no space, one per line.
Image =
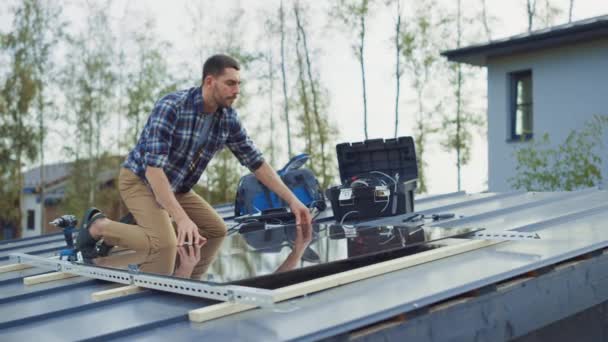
546,81
56,178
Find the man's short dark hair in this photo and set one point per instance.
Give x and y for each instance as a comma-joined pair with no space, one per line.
216,64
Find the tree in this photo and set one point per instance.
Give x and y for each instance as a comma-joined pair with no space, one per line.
27,47
546,14
223,172
571,8
421,45
148,80
353,14
89,82
316,127
270,77
457,130
47,30
575,163
531,11
485,20
398,57
549,13
284,78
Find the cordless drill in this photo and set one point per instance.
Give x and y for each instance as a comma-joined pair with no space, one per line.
67,223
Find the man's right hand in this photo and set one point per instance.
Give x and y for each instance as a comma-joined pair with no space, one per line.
187,233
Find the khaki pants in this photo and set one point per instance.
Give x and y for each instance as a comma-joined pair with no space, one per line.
154,229
163,261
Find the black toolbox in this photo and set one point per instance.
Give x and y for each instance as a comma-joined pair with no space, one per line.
378,179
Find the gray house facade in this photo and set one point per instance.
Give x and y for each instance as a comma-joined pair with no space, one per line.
547,81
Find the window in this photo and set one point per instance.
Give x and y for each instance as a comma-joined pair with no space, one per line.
521,105
31,220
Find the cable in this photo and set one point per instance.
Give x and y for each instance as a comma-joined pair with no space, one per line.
387,240
403,240
345,215
385,206
314,217
311,205
387,176
233,229
359,181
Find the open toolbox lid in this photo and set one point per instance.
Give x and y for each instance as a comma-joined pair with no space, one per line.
390,156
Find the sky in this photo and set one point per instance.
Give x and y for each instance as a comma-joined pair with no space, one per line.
338,67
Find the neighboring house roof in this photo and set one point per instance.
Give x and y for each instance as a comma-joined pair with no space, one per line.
57,173
52,174
501,291
575,32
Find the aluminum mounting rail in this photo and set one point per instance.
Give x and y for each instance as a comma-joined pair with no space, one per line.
226,293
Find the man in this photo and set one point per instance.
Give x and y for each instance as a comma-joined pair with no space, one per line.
183,132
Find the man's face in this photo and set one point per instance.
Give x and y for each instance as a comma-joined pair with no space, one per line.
226,87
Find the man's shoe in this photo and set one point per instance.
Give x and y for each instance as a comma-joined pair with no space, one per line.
103,249
84,240
88,253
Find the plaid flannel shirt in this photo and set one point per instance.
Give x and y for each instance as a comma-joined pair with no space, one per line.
179,138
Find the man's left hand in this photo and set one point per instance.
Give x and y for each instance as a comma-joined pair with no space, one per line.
301,213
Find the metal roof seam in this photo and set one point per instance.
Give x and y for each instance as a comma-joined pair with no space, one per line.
47,291
57,313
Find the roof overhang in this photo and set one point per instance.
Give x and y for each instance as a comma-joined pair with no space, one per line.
577,32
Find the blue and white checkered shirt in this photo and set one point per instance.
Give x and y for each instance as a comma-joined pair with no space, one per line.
179,138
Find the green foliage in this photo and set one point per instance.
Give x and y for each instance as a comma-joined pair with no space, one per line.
26,48
222,175
575,163
148,80
79,186
421,41
457,126
89,87
460,139
353,15
224,171
312,103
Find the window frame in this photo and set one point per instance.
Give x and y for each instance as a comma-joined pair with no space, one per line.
31,219
514,77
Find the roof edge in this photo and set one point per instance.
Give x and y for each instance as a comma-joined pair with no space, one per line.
584,30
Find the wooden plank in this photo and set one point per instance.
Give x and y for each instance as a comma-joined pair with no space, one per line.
217,310
14,267
116,292
319,284
44,278
361,273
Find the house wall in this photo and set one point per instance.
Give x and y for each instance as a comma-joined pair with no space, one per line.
114,211
569,85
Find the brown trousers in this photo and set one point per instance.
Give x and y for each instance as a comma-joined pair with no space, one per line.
164,261
154,229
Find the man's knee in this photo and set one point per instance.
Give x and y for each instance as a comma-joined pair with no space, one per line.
216,230
164,241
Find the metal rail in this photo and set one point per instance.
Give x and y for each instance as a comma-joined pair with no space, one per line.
232,293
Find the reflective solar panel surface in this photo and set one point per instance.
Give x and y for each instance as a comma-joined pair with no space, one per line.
275,256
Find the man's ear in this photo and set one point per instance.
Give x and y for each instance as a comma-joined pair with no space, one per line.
208,80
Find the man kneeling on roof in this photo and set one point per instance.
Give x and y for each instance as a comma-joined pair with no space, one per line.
183,132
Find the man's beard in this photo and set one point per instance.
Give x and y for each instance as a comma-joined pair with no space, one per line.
225,101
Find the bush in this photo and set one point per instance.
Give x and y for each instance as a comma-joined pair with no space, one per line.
574,164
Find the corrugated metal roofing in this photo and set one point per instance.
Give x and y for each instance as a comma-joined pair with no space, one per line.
570,224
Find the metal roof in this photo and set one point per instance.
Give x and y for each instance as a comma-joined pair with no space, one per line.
570,223
574,32
53,173
58,172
